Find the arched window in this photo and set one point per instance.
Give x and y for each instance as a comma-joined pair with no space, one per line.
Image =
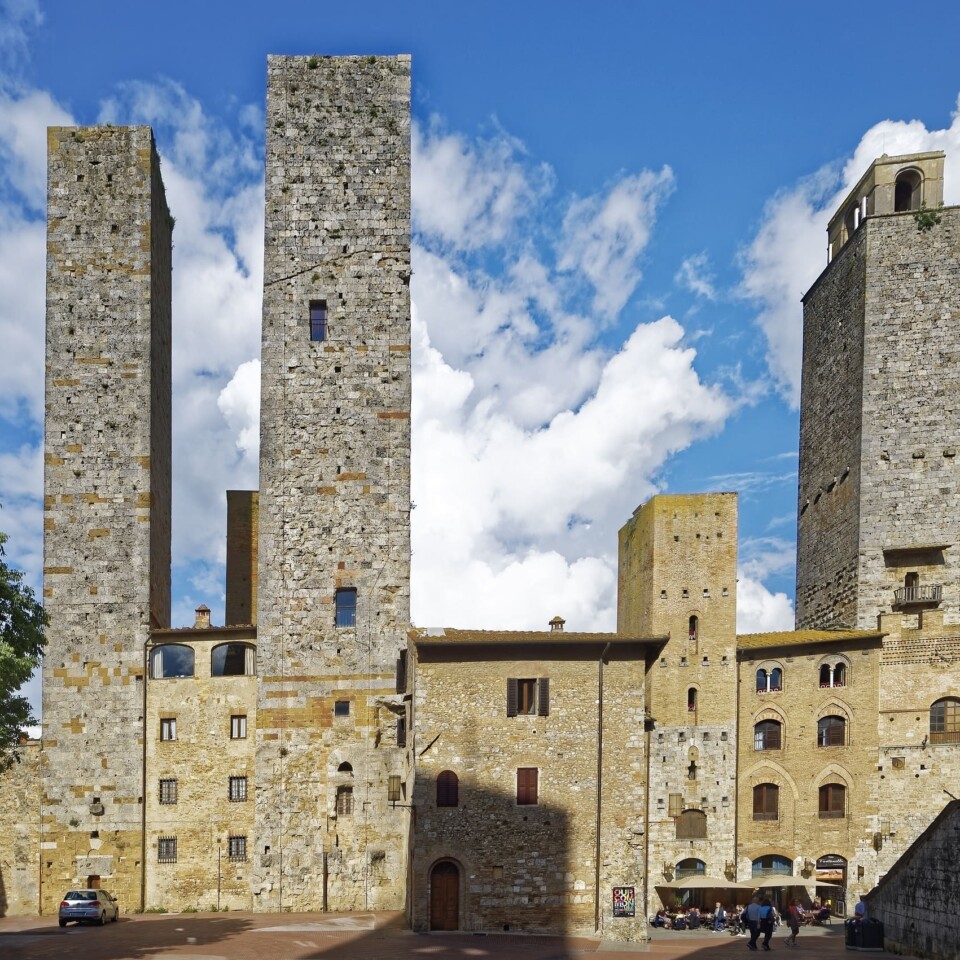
344,801
776,680
833,674
692,700
825,675
344,768
691,867
233,660
762,680
945,720
907,191
772,865
448,789
171,660
833,801
831,732
766,801
768,735
694,626
692,825
769,679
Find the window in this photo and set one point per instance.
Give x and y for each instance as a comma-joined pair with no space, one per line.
346,602
345,768
168,728
528,697
776,680
402,672
238,727
762,681
908,191
692,825
318,320
401,731
675,804
831,732
171,660
237,848
769,680
768,735
527,778
693,630
448,789
341,708
344,801
832,801
233,660
238,789
772,866
168,791
167,850
945,721
833,675
692,700
766,801
691,867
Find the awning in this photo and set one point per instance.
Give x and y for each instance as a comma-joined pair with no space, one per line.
793,882
703,882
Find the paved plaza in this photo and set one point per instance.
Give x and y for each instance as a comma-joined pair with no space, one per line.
367,936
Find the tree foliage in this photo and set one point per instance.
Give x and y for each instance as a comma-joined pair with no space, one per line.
22,620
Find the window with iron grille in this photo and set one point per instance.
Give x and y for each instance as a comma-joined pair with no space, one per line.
527,783
833,801
238,789
448,789
766,801
167,850
238,727
528,697
237,848
344,801
168,790
318,320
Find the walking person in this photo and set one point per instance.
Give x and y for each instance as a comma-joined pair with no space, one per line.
753,921
767,917
794,919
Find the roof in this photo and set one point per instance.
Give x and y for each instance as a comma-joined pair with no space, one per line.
799,638
163,634
451,636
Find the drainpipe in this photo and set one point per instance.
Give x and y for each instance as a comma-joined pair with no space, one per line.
596,894
143,782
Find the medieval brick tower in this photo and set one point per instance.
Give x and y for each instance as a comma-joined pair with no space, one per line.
879,492
678,576
334,555
107,497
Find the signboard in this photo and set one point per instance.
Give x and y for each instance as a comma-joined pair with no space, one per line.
624,902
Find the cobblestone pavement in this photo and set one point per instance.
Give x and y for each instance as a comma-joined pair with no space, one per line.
368,936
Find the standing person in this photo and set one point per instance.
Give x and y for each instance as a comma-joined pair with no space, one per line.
719,917
753,921
860,910
794,919
766,922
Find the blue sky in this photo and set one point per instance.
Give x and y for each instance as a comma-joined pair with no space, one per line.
617,208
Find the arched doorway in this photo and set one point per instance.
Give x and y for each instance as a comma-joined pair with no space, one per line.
445,897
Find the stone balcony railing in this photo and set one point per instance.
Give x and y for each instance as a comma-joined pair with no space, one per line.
929,593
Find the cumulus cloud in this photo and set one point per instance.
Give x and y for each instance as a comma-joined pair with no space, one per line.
788,251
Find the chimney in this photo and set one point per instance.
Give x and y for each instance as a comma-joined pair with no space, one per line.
203,618
556,624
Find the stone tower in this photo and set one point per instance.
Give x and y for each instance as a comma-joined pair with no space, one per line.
334,554
107,498
678,576
879,491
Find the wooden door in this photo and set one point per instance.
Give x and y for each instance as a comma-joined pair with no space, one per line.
93,882
445,897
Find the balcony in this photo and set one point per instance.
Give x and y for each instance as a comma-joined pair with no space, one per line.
915,596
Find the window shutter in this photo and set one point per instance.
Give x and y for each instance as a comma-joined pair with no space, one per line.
543,691
512,697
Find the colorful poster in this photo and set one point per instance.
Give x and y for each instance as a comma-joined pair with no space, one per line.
624,902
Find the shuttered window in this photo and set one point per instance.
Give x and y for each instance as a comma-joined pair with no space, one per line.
528,697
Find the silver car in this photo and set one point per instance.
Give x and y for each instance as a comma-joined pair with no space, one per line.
95,905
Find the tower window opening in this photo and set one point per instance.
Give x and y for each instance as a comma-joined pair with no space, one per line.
692,700
908,191
318,320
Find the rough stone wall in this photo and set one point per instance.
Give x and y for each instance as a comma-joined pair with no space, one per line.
678,558
531,867
106,496
243,522
201,760
334,479
917,900
800,767
828,507
20,834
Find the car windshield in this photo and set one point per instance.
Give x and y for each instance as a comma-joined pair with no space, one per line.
81,895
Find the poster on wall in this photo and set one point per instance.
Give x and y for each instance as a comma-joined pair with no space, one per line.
624,902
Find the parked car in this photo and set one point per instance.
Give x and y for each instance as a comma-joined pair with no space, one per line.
95,905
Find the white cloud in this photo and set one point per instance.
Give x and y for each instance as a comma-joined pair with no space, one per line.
789,250
759,610
696,276
239,402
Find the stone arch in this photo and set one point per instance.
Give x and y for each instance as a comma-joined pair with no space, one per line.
760,772
833,773
907,190
770,713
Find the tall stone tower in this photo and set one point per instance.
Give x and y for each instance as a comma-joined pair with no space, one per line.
678,576
106,498
334,556
879,491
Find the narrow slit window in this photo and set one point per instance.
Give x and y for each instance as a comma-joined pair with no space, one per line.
318,320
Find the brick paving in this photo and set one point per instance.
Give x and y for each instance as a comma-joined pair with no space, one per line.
381,936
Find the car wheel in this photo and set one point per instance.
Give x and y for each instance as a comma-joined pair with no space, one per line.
63,923
102,919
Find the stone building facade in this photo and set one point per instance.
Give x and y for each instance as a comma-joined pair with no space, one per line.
316,752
